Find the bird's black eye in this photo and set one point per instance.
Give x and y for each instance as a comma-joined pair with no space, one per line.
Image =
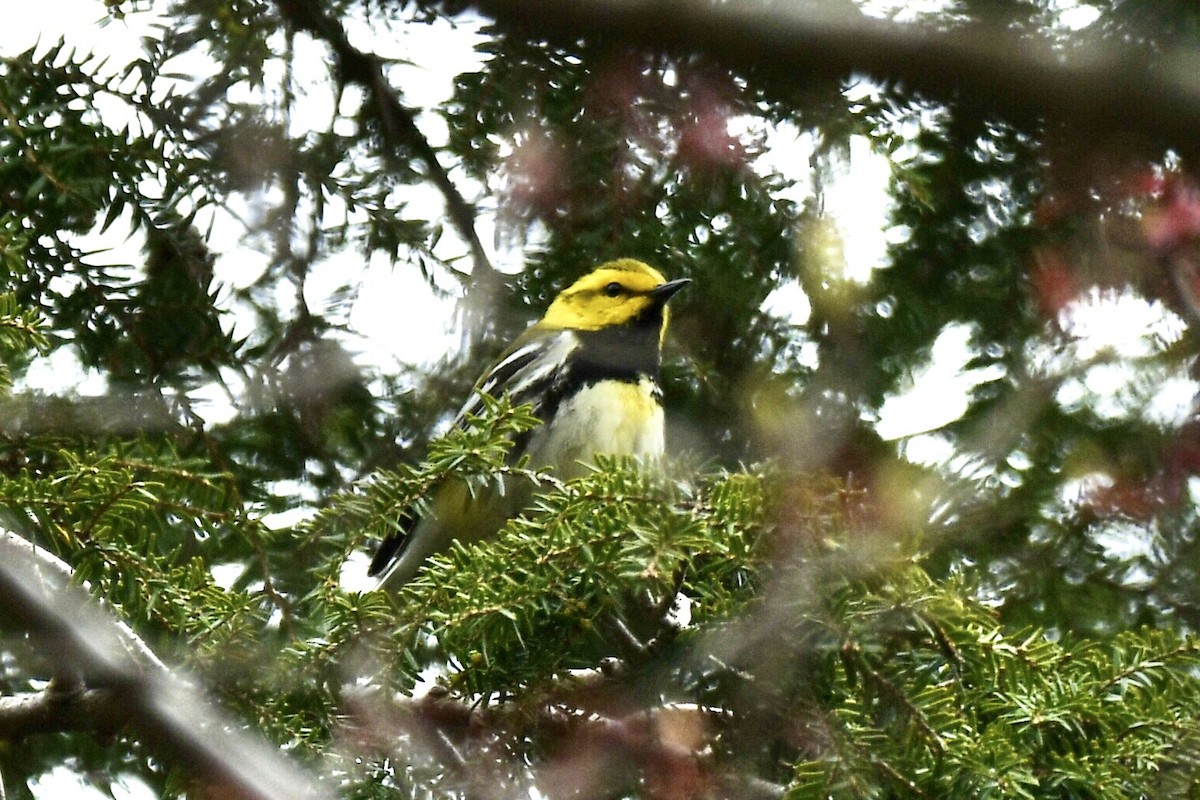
613,289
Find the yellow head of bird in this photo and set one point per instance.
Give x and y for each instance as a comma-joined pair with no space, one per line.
616,293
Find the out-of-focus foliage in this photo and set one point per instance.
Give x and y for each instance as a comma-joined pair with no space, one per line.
1012,615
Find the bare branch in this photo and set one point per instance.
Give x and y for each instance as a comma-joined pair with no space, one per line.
53,572
123,677
1097,88
665,739
49,711
115,414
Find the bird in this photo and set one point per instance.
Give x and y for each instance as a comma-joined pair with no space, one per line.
589,368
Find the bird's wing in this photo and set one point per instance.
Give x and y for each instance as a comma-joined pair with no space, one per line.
528,373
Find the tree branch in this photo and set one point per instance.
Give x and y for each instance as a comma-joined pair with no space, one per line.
592,747
120,680
1095,87
52,573
114,414
53,711
397,121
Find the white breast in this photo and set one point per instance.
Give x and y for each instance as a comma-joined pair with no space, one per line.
608,417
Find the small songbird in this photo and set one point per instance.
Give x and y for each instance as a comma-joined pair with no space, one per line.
590,370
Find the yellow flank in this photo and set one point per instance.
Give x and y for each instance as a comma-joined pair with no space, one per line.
471,516
612,294
607,417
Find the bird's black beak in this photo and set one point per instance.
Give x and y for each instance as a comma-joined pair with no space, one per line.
667,290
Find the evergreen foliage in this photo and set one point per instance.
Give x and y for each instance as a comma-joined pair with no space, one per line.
787,606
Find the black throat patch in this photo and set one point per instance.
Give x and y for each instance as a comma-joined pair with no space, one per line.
626,352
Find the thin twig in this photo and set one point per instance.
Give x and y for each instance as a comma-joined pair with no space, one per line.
397,121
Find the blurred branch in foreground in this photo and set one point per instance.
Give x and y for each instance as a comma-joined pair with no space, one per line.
1098,88
599,740
105,675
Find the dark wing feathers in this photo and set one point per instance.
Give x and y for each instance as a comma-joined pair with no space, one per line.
526,373
529,374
